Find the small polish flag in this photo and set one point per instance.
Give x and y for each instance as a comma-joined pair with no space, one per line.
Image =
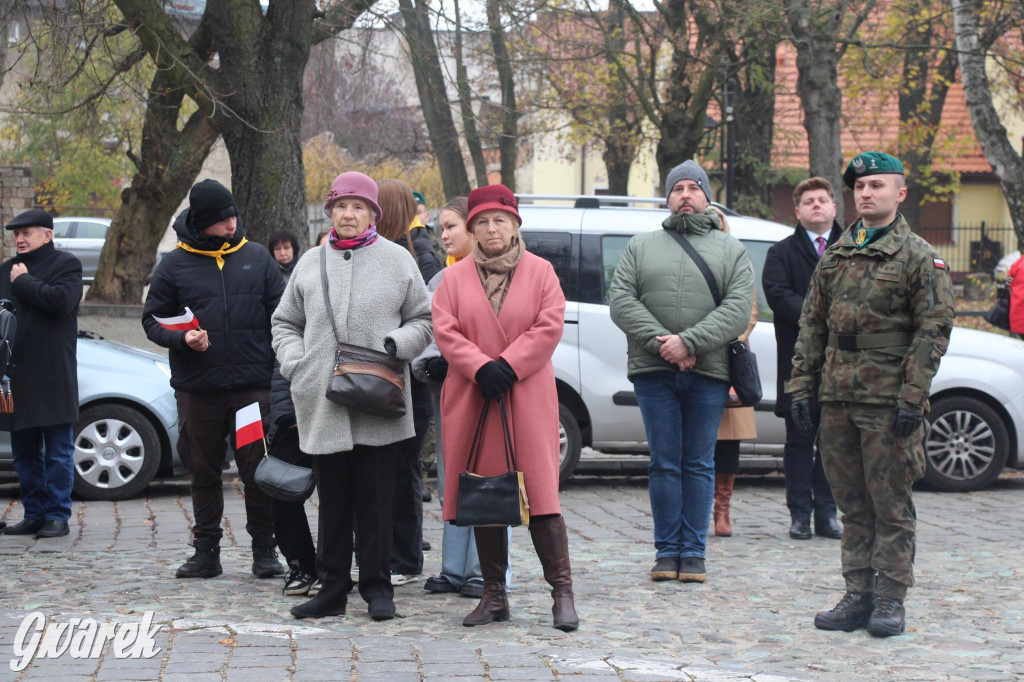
180,323
248,425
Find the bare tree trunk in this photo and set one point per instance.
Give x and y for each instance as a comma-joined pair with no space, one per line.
754,128
620,142
508,143
430,84
6,10
469,130
985,119
168,163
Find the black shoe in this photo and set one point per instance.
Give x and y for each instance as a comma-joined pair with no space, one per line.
691,570
3,524
828,527
427,497
53,529
205,563
665,568
889,617
472,589
800,528
853,611
439,585
425,546
381,608
264,560
25,527
317,607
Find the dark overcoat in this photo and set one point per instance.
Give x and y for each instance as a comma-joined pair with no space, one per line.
786,278
44,367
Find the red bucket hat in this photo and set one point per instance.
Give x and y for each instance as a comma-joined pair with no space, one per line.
492,197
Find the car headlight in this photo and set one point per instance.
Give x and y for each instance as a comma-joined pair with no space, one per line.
163,367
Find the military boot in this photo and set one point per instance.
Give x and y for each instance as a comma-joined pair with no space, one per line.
889,618
264,558
852,612
205,563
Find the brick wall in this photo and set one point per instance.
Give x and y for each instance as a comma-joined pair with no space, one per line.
16,195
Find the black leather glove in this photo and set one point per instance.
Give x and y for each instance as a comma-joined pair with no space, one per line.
390,348
436,369
905,422
800,411
494,380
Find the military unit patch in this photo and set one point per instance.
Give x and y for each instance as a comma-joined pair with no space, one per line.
861,237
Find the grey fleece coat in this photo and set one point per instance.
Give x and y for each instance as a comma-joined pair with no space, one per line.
658,290
377,293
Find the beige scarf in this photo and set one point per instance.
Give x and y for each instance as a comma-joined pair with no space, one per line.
496,271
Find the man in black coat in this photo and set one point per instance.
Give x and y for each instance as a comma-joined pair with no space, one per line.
786,277
232,286
45,287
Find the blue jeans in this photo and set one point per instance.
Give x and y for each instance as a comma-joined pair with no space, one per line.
43,458
681,412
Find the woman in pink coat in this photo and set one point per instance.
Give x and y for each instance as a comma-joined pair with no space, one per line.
498,317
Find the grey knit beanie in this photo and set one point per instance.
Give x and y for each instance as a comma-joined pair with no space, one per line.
688,170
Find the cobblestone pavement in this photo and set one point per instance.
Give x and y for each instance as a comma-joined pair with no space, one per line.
752,619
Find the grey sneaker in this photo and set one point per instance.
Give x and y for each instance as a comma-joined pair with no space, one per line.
691,569
665,568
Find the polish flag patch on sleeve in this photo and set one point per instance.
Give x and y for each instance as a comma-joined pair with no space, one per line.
939,263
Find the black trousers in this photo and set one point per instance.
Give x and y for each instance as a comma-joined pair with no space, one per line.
807,488
355,489
290,524
727,457
205,420
407,509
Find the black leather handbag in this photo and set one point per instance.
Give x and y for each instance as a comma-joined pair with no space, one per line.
492,500
363,379
999,315
743,373
284,481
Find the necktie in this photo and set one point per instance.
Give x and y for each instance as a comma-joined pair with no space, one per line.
821,245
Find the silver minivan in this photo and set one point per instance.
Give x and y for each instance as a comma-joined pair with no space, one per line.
977,415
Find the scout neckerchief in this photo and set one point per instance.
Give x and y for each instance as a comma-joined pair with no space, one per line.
863,236
218,254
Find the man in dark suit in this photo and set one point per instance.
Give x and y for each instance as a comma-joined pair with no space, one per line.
787,275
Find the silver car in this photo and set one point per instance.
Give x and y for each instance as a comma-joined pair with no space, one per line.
127,430
977,398
83,237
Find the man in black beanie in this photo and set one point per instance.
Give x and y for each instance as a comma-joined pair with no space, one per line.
232,286
44,285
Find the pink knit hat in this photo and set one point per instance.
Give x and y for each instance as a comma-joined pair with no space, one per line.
355,185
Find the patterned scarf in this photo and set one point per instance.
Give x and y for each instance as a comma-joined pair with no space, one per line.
496,271
359,241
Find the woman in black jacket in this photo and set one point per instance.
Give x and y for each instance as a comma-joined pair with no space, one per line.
400,225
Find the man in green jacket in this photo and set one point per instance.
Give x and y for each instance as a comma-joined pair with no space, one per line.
678,360
875,323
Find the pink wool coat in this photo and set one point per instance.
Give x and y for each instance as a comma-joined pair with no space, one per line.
525,334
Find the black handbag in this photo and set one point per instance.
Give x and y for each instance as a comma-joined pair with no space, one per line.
363,379
743,373
492,500
284,481
999,316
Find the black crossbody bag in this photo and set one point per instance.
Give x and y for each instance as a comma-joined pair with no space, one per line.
743,374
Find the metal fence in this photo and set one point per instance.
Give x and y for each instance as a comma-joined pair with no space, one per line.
973,248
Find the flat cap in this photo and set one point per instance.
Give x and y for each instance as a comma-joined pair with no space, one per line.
871,163
35,217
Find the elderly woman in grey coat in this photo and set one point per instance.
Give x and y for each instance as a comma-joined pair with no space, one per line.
379,302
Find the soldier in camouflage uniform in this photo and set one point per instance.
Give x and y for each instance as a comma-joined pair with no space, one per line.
875,323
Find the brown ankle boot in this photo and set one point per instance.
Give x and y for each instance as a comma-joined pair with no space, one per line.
492,547
552,545
723,495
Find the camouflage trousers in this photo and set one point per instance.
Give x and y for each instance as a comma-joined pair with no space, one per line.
871,472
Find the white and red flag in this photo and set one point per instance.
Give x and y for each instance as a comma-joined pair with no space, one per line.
180,323
248,425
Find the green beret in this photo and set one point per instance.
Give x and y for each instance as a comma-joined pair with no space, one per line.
871,163
418,196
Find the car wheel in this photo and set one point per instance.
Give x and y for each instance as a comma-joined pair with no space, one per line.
570,443
967,445
117,452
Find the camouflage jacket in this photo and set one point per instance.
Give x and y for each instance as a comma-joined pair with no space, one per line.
896,284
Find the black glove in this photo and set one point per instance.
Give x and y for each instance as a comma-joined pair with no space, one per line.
800,411
436,369
390,348
905,422
494,380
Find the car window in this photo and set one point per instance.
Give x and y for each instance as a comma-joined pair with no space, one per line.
555,248
758,251
91,230
612,247
61,228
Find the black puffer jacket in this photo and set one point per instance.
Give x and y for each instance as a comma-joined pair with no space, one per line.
233,305
426,259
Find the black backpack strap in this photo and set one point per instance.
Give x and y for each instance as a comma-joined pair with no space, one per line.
701,265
